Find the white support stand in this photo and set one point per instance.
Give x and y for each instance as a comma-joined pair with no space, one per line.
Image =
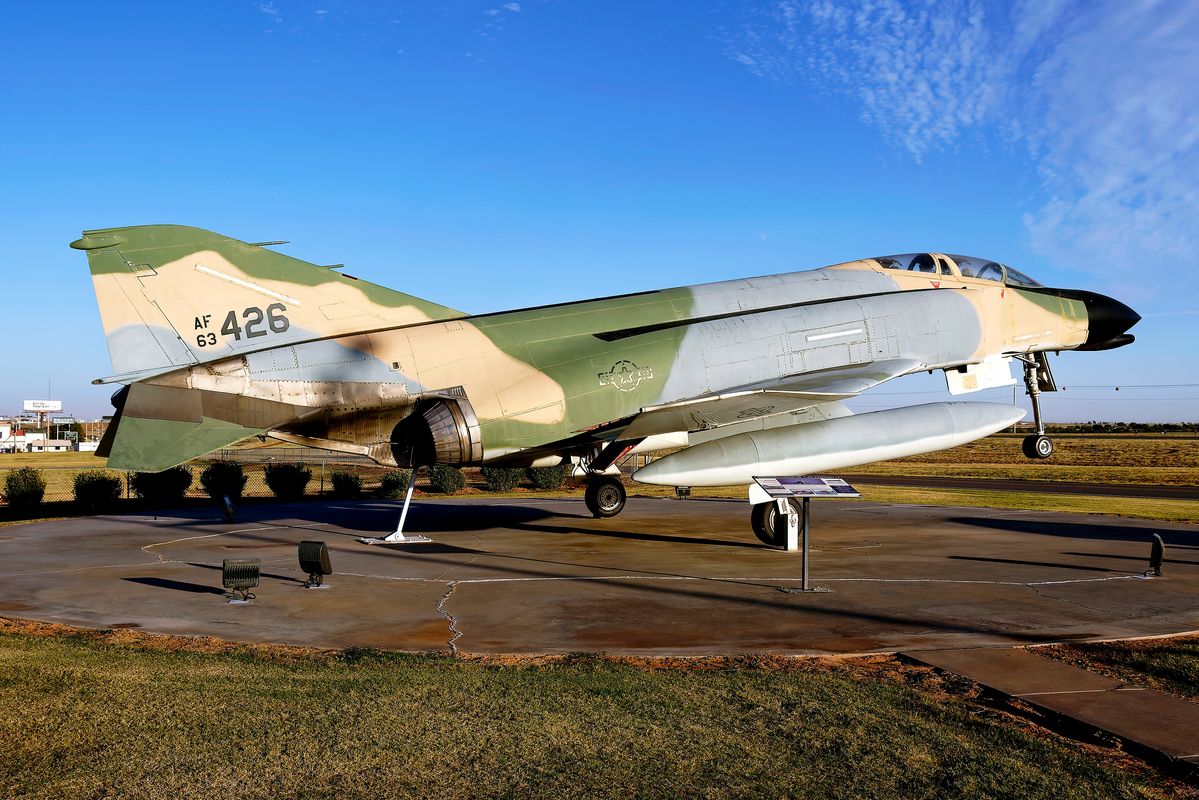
790,525
398,537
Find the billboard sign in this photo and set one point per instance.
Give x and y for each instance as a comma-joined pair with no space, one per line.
43,405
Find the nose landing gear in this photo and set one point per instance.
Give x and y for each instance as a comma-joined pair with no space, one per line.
1037,379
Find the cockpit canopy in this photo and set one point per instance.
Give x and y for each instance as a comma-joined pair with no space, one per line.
967,266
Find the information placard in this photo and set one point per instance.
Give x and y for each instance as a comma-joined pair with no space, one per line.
806,487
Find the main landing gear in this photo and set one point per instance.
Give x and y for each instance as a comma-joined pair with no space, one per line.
1037,379
605,496
769,525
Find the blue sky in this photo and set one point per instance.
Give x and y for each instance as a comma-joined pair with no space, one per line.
489,155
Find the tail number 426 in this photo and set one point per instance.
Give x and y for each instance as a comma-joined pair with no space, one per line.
256,324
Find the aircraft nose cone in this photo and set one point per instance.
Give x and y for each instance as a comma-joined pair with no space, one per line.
1107,321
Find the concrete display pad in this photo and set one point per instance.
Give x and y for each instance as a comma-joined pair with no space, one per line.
666,577
1147,721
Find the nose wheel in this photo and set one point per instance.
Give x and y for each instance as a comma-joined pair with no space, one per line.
1037,446
1037,379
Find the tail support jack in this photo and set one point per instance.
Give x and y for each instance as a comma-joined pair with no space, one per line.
397,537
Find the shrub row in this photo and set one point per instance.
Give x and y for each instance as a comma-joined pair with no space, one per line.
98,489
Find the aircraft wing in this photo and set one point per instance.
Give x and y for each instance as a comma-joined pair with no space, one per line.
791,394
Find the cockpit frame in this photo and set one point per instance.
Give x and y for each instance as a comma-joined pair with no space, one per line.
955,266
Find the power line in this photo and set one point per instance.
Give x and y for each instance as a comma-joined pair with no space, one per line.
1133,386
1113,387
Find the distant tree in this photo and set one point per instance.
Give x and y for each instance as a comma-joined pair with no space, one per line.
223,479
502,479
447,480
393,483
287,481
97,489
346,485
167,486
24,487
549,478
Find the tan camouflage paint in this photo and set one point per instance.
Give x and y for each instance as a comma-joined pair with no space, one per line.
358,356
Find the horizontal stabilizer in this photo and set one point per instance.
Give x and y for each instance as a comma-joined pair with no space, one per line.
161,427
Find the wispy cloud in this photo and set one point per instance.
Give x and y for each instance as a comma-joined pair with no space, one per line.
1118,101
1102,93
494,23
921,74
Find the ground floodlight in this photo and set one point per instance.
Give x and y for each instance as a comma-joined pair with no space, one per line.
239,576
314,560
1157,554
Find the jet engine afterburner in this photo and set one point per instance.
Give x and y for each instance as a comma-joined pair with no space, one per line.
438,431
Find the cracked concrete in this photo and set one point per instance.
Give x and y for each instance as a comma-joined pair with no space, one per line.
455,634
665,577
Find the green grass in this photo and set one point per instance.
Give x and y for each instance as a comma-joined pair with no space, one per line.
1135,507
1087,458
1169,665
101,716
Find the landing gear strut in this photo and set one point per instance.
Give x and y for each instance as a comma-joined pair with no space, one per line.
1037,379
605,496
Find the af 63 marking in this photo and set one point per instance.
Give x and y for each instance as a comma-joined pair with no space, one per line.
257,323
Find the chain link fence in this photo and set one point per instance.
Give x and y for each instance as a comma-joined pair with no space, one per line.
60,481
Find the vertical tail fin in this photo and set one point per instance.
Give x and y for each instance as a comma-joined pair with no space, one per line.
172,296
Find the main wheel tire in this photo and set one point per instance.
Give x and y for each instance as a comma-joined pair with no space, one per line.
1037,446
605,497
764,518
1026,447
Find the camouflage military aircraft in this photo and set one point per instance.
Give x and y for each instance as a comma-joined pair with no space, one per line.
216,340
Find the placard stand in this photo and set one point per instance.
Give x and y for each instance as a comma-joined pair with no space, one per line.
796,529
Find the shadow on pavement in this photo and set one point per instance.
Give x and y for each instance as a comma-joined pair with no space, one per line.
1024,563
179,586
1080,530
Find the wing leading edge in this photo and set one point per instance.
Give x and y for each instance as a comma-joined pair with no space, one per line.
791,394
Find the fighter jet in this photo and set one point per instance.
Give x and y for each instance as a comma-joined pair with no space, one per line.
214,340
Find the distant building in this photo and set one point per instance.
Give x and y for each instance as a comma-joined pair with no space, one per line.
94,429
51,446
86,447
17,440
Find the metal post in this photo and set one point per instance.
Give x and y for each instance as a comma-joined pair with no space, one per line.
806,527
